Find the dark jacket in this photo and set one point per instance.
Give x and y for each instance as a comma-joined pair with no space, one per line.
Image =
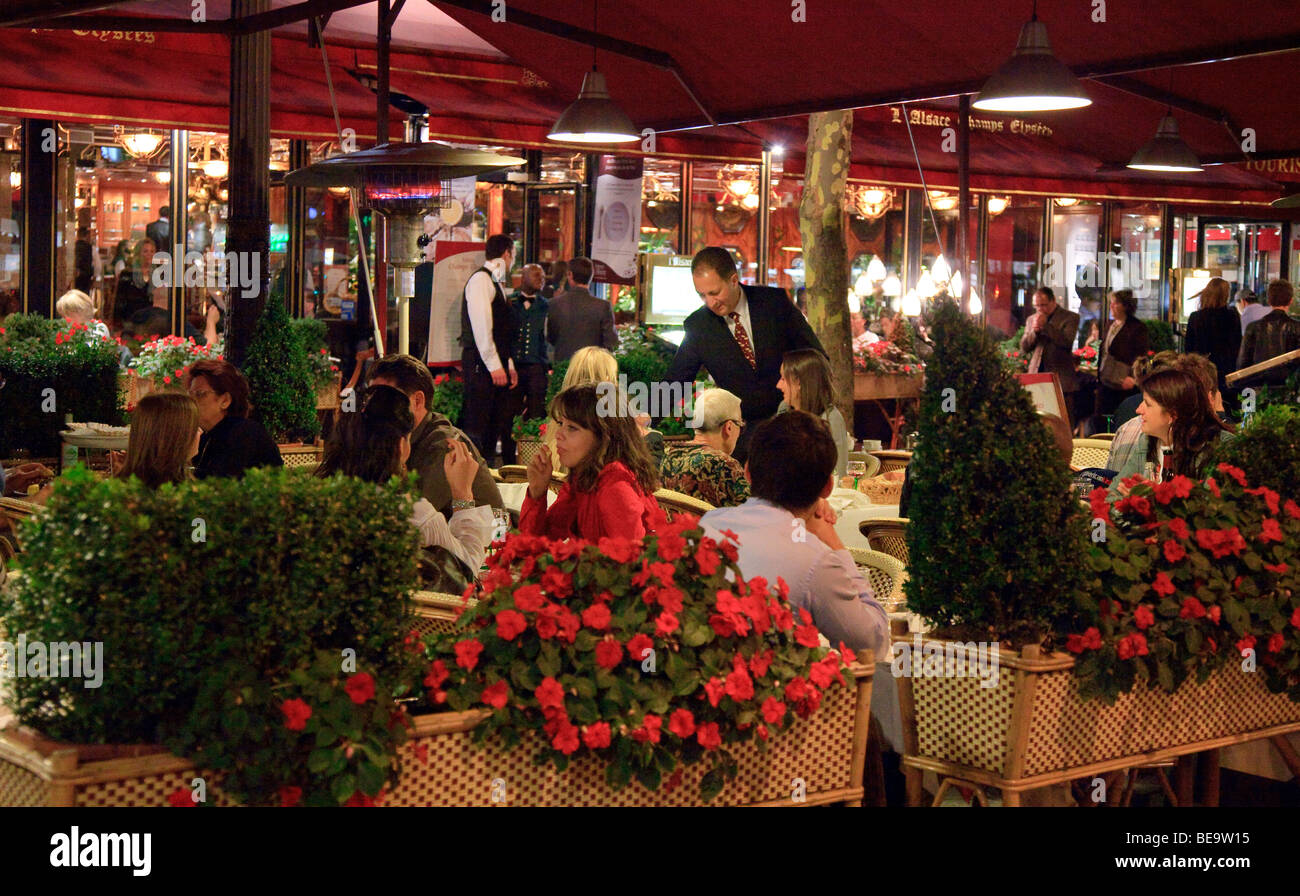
1057,339
234,445
1129,344
1215,333
429,450
530,330
1276,333
778,328
578,319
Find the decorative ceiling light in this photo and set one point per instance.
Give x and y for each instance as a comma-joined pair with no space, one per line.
911,304
15,179
1033,79
163,177
942,202
750,202
855,304
870,202
140,144
216,168
339,191
954,285
1166,151
926,288
1066,201
863,285
998,204
892,286
976,306
940,271
876,269
593,117
739,182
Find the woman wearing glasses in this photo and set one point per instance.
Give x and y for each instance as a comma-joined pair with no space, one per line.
703,467
232,441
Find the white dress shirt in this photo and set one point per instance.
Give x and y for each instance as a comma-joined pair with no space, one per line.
774,544
479,293
467,536
743,309
1251,313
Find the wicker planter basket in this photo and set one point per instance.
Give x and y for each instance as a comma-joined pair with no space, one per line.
827,752
526,450
1032,730
327,397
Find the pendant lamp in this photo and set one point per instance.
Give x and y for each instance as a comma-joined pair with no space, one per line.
1166,151
1033,79
593,117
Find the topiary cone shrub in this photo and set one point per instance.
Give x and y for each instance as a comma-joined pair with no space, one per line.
279,376
995,535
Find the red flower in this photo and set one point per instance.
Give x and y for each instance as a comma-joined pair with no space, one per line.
549,694
181,799
739,685
714,689
1193,609
671,546
708,736
437,675
759,663
1135,504
682,723
1098,501
773,711
467,652
1221,542
510,624
1279,568
609,653
1235,472
1292,509
1143,617
1214,613
1246,643
1213,487
1276,642
650,729
566,738
807,636
638,645
620,550
496,694
1132,645
1174,551
360,687
1089,640
557,582
1269,530
596,736
596,617
527,597
707,558
797,689
290,796
296,713
1163,585
1178,527
1295,617
666,624
1271,498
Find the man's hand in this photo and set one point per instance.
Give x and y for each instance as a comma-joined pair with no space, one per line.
539,474
21,478
499,376
822,524
514,376
461,468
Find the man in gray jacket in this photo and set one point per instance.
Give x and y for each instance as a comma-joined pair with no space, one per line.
576,318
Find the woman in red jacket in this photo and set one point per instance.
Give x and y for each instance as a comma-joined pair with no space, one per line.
612,477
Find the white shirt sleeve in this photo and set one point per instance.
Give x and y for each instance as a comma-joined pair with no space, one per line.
479,293
843,607
467,536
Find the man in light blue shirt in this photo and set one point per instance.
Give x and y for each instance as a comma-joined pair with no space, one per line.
787,531
1250,308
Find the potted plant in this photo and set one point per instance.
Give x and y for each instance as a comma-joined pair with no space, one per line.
1010,354
528,435
635,673
264,667
885,369
325,375
1116,644
279,377
163,363
448,396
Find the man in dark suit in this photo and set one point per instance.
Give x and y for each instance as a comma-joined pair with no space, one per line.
1049,343
576,318
160,231
739,336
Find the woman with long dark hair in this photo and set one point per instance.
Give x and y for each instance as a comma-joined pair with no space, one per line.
1214,329
1126,341
612,476
374,443
1181,427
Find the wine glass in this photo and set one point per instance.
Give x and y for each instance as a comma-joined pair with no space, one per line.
858,470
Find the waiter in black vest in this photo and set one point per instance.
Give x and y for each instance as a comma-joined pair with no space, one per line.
486,335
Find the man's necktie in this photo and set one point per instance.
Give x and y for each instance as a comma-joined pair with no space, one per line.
743,339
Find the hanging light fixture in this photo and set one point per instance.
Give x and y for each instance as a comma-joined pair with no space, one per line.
876,269
892,286
593,117
870,202
925,286
976,306
863,285
911,304
1066,201
998,204
140,144
1166,151
1033,79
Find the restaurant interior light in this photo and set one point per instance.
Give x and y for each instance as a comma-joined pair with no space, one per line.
141,144
925,286
1166,151
911,304
1066,201
940,270
892,287
954,285
998,204
15,179
855,304
593,117
216,168
1033,79
976,306
876,269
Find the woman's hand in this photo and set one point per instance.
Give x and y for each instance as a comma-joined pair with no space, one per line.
1123,490
1129,383
21,478
539,474
461,468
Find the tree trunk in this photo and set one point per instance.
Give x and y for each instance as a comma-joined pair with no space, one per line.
825,253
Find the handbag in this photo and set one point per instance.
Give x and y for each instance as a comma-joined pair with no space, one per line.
1113,372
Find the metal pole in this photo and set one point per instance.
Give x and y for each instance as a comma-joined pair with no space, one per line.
764,213
295,258
963,198
178,195
40,224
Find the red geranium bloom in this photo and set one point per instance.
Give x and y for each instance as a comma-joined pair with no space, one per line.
1292,509
1089,640
1178,526
666,624
739,685
1132,645
797,689
671,546
638,646
714,689
596,736
437,675
1276,642
1163,585
759,663
1214,614
1135,504
1213,487
1192,609
1295,617
290,796
296,713
549,694
566,739
1279,568
609,653
650,729
360,687
806,635
823,673
708,736
547,626
1143,617
670,598
1098,500
1174,551
620,550
467,652
527,597
773,711
682,723
181,799
596,617
707,558
1269,530
1246,643
496,694
1235,472
557,582
1271,498
510,624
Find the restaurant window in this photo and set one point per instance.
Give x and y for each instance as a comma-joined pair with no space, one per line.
724,212
661,206
874,238
1013,262
785,240
11,197
1134,256
1071,267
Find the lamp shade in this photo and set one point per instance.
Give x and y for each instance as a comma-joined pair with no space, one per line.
1166,151
1033,79
593,117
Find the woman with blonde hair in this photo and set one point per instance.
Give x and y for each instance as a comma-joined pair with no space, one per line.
78,309
591,365
164,439
1214,330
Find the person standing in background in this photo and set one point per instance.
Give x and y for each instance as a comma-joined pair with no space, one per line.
1214,330
530,348
1126,341
160,231
555,282
578,319
1049,342
85,261
487,340
1249,308
1276,333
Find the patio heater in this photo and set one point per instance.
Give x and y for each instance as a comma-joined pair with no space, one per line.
403,182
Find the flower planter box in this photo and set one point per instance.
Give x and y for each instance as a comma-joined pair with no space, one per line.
327,397
827,752
299,455
878,386
1032,730
526,450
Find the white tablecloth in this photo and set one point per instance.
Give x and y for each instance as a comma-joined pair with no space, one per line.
853,508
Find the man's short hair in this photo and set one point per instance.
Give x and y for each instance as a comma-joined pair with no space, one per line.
498,244
791,458
581,269
716,259
1245,295
1046,291
1280,293
165,211
407,373
713,408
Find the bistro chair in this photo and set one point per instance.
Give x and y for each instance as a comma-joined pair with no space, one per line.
885,573
1090,453
17,511
674,503
435,611
1103,436
887,537
892,460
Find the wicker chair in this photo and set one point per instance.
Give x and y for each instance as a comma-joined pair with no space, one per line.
1090,453
887,537
674,503
300,455
892,460
1103,436
16,510
885,573
872,462
437,612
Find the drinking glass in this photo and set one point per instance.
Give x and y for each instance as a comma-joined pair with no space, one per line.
857,469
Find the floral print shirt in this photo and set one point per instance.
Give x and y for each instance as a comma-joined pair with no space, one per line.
705,473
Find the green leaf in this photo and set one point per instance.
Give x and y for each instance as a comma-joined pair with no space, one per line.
319,760
548,660
695,633
1165,676
618,774
711,784
649,777
371,778
343,787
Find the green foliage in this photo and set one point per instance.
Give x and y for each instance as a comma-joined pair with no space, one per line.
279,375
1199,573
995,537
555,383
448,396
528,428
199,588
648,656
52,370
1160,335
1268,449
1010,355
313,335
